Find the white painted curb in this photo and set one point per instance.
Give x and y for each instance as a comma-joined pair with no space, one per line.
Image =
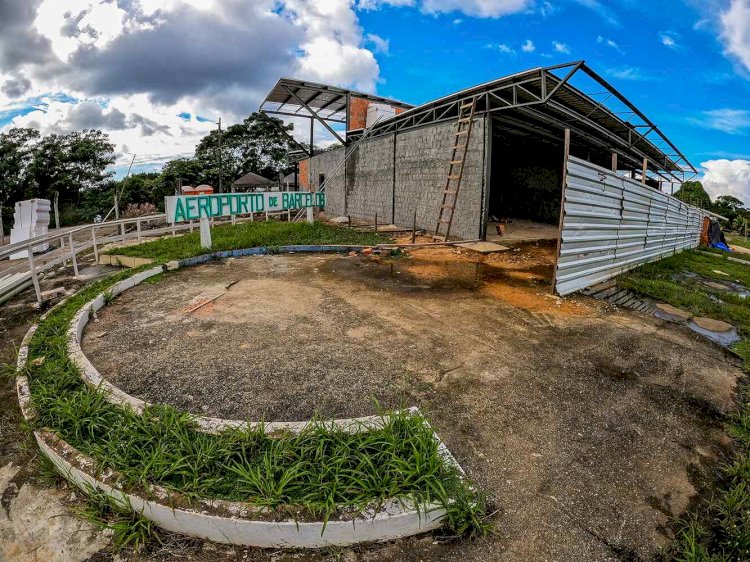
217,520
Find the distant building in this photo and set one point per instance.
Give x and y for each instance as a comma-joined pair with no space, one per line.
254,182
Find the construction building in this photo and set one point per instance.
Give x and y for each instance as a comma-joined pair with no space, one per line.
502,151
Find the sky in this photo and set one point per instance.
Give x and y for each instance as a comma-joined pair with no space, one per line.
157,74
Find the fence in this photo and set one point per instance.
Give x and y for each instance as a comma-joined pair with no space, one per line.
67,244
611,224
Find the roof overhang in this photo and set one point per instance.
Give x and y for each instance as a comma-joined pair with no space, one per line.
297,98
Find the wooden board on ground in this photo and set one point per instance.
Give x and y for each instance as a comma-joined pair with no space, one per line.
484,247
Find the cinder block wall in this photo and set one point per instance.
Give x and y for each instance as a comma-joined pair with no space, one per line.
422,159
416,183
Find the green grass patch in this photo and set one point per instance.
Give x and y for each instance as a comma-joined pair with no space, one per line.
317,473
719,530
250,235
737,239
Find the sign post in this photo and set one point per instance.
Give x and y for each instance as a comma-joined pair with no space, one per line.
205,228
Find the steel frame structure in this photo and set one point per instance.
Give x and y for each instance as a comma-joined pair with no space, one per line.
540,101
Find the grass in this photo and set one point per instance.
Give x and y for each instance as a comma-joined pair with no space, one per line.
317,473
249,235
737,239
719,530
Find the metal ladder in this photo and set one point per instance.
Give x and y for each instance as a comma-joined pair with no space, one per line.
322,187
462,136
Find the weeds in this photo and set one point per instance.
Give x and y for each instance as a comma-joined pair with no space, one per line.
720,529
129,528
319,472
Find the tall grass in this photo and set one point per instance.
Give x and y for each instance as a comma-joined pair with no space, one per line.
317,473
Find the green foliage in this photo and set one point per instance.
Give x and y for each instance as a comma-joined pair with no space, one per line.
692,192
729,207
314,473
720,529
248,235
129,528
258,145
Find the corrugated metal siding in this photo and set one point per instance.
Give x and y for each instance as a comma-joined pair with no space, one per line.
612,224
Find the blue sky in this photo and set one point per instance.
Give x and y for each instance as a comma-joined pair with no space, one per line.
675,72
124,67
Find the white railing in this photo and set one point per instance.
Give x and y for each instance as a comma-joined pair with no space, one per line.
72,241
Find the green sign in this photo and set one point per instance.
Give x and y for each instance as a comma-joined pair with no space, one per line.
181,208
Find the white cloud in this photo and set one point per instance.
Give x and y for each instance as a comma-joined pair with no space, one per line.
135,65
561,47
379,44
727,177
668,40
735,31
727,120
629,73
478,8
528,46
609,43
502,47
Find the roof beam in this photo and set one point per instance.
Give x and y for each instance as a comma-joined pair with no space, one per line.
314,115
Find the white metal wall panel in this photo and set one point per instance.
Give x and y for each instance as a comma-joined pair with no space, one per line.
612,224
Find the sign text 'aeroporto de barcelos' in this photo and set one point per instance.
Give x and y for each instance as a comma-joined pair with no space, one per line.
181,208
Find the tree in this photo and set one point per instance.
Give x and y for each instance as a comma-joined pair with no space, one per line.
258,144
70,164
692,193
16,155
728,206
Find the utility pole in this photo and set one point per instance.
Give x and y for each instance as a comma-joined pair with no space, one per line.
57,211
221,169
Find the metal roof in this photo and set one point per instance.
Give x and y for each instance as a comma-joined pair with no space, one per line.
253,179
540,100
537,102
289,97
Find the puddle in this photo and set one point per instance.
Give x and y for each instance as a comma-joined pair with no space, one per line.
725,339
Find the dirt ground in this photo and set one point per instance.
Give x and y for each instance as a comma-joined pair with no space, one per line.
37,521
588,428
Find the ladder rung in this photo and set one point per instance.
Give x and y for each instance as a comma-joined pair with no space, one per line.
467,105
454,177
444,206
441,221
438,237
461,133
464,120
446,192
454,162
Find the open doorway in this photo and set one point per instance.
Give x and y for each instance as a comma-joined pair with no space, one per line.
524,188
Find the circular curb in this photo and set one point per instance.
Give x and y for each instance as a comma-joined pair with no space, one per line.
218,520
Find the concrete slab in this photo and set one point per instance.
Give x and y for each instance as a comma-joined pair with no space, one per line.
669,312
484,247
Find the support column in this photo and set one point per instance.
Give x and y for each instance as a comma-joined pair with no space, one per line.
614,162
566,155
643,172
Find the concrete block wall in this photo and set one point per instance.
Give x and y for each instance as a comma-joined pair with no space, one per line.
326,163
416,183
422,157
369,180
